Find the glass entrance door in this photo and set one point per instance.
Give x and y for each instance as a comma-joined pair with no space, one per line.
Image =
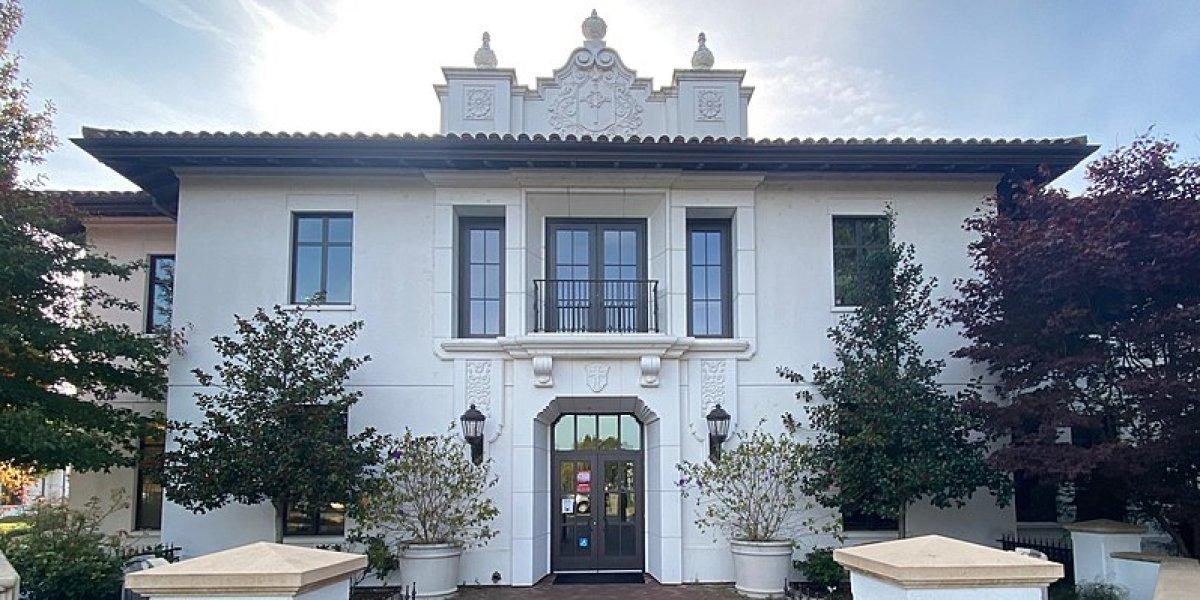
597,502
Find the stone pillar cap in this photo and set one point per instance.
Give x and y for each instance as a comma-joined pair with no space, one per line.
1104,526
934,561
259,569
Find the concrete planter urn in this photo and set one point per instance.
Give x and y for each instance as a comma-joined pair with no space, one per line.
761,569
432,567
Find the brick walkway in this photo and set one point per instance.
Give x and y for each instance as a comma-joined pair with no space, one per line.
614,591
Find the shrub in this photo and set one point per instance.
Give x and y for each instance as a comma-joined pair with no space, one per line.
820,568
62,555
428,492
1100,591
754,492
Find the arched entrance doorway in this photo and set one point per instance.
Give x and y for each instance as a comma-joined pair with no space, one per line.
597,499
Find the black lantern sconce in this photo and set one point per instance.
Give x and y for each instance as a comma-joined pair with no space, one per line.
472,427
718,431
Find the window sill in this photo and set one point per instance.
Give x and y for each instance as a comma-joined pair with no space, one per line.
871,534
322,307
594,345
842,309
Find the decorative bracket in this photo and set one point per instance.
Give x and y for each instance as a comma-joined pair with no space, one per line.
543,371
651,365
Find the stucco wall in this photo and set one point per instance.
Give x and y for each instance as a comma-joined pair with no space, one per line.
233,255
125,240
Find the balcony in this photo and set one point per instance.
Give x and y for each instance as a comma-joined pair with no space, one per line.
595,305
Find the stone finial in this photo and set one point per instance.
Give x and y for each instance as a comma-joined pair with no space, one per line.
484,57
594,28
702,58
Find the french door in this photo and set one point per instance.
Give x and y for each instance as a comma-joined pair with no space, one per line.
596,275
596,503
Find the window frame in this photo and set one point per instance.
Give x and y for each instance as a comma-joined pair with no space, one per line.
725,228
152,280
314,521
141,479
324,245
465,226
597,226
833,247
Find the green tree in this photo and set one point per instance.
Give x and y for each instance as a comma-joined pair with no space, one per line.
887,434
60,363
274,428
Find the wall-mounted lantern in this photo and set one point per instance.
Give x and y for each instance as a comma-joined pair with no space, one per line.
718,431
472,427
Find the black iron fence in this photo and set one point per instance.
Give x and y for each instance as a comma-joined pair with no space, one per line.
595,305
170,553
1057,550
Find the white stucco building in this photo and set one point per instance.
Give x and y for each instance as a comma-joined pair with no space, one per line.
592,261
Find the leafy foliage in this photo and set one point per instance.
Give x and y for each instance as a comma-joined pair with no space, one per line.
820,568
1087,309
62,363
13,481
754,491
275,427
887,432
63,555
429,492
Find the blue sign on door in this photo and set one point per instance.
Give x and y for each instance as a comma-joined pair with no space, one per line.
583,542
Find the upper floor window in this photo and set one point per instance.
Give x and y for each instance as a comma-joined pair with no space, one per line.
710,287
322,248
854,238
161,285
481,272
149,500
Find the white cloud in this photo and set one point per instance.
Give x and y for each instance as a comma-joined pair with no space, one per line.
817,97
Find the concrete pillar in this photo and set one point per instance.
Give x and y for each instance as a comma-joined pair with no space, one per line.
10,581
258,570
933,567
1094,542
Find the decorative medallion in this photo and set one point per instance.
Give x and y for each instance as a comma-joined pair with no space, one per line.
710,104
712,384
478,104
597,377
479,385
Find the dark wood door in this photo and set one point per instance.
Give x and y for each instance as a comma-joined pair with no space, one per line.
598,511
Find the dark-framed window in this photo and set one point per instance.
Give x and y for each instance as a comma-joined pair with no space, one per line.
854,238
857,520
328,518
147,512
481,277
322,257
596,275
317,424
710,278
160,291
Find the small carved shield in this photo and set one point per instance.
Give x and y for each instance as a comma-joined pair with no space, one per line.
597,377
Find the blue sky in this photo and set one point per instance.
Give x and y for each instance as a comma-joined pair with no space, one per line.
957,68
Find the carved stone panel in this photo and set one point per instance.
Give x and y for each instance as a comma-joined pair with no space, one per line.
480,382
478,103
595,96
710,104
711,382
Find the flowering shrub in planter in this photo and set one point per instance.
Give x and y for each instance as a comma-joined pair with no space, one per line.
428,504
754,495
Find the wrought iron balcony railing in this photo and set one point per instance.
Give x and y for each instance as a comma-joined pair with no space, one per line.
595,305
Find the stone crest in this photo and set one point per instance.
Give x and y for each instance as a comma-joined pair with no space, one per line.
596,377
595,98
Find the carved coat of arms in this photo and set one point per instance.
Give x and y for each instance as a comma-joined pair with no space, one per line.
596,377
595,98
